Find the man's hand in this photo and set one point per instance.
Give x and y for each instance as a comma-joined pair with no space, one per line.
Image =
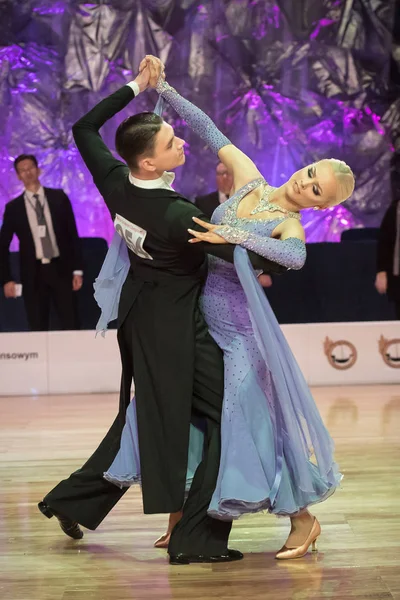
381,282
143,78
77,282
10,290
156,69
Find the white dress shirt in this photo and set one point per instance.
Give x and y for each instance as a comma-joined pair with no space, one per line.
164,182
134,87
222,197
30,204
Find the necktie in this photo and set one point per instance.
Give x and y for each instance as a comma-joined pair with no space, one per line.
47,246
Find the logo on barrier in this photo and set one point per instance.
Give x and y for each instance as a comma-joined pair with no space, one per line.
390,351
19,356
341,355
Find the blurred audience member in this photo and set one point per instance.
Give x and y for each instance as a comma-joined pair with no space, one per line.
207,204
388,260
49,249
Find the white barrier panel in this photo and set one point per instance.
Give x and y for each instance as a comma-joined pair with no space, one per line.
79,362
23,364
298,337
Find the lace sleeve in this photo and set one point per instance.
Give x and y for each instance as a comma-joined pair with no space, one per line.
196,119
290,253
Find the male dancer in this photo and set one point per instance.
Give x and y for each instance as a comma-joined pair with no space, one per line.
163,339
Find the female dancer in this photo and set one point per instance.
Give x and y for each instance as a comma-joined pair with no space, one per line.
276,452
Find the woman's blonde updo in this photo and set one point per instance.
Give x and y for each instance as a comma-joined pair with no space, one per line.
345,180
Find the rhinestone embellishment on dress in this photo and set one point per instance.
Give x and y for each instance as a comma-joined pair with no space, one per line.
266,205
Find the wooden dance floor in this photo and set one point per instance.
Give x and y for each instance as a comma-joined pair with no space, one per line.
43,439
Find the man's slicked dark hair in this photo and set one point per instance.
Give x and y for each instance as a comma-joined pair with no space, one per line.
22,157
136,136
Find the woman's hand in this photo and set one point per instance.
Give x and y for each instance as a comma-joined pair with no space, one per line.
208,236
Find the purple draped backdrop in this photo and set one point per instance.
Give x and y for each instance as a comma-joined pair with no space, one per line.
288,81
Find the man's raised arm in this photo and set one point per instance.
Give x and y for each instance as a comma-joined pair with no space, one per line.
105,169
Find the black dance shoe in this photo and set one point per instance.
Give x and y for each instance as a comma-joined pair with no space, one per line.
69,527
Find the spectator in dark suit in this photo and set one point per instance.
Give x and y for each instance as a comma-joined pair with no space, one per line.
49,249
207,204
388,258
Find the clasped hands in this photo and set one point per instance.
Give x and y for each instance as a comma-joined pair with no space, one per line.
150,70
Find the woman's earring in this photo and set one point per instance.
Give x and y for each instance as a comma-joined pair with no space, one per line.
316,208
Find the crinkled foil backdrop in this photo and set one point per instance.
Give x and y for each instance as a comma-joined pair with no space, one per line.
289,82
